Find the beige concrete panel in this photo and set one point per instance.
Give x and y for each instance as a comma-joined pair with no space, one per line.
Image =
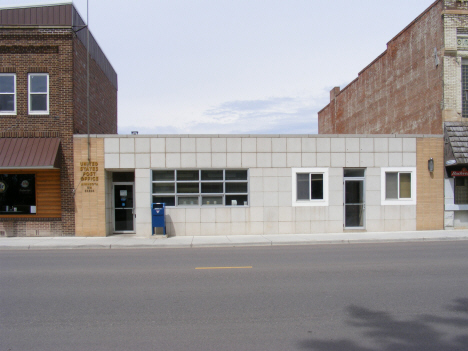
352,159
249,160
309,145
208,215
286,228
254,228
192,229
111,145
278,145
249,145
142,160
309,160
256,199
223,215
380,159
352,145
293,160
264,159
409,145
127,145
203,144
278,159
366,145
193,215
127,160
188,160
158,145
112,161
223,228
238,214
395,145
285,214
218,144
254,214
208,228
142,145
234,160
409,159
238,228
173,160
158,160
381,145
188,145
234,145
172,144
338,159
264,145
203,160
218,160
270,227
323,145
323,160
366,159
303,227
294,145
270,199
395,159
317,227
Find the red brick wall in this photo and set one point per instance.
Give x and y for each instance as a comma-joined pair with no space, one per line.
400,92
103,96
59,53
25,51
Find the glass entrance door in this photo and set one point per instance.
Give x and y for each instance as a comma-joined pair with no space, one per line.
354,204
123,208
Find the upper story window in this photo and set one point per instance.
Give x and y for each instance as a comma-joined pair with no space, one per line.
310,186
464,82
7,94
211,187
398,186
38,91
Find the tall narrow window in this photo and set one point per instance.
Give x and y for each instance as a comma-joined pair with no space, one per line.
38,89
7,94
464,88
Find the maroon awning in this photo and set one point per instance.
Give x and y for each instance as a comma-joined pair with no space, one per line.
29,153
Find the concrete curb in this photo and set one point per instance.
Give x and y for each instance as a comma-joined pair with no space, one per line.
132,242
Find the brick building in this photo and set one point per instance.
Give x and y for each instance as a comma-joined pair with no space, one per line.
419,85
43,102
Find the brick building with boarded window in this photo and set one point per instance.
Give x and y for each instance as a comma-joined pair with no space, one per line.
43,102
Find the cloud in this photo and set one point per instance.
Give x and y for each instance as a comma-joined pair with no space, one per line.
275,115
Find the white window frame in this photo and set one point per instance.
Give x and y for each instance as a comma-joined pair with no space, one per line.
200,195
14,95
313,202
399,202
34,112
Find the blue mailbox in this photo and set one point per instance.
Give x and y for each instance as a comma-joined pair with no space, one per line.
159,218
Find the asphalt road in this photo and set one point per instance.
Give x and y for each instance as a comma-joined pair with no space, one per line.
359,297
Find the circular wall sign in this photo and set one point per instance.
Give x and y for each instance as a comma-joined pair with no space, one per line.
24,184
2,187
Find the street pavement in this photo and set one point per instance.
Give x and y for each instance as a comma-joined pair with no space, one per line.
134,241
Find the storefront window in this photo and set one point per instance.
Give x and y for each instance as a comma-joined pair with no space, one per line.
17,194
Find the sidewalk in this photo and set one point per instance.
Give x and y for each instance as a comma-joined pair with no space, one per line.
132,241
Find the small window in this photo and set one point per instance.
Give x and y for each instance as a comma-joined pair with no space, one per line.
7,94
398,186
461,191
310,186
38,89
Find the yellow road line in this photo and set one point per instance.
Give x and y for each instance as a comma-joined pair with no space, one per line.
223,267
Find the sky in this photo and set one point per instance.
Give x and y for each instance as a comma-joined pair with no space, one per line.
237,66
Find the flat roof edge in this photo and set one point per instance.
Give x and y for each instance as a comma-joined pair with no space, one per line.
28,5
